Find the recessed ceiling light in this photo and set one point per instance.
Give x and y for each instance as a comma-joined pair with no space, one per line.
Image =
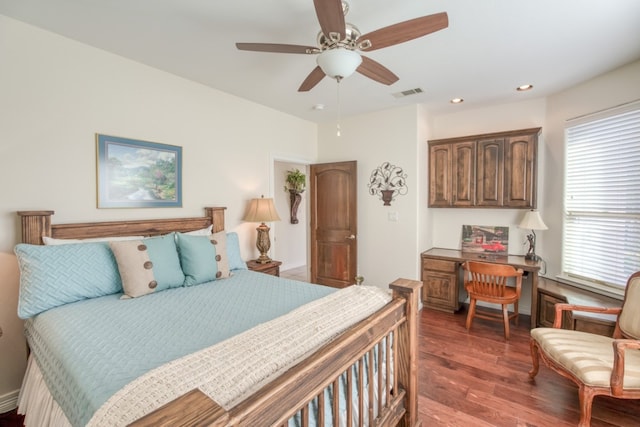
524,87
457,100
318,107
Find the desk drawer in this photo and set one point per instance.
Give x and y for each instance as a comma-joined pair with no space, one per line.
439,265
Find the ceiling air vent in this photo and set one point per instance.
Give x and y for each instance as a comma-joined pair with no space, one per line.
408,92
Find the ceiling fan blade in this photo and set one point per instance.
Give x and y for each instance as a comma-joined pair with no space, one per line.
277,48
405,31
330,16
376,71
312,79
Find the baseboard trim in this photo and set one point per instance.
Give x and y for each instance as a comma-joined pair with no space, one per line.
9,401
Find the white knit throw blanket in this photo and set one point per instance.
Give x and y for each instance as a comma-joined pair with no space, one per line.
235,368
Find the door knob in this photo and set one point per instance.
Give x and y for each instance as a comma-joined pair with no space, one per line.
352,237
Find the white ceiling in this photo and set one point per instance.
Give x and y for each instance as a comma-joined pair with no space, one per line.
489,48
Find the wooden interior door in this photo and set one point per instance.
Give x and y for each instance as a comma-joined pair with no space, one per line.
334,223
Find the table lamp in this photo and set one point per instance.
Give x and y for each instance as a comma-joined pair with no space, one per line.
532,221
262,210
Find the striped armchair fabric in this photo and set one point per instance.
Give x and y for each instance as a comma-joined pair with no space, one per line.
598,365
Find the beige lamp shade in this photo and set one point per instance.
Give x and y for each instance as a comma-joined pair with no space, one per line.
261,210
532,221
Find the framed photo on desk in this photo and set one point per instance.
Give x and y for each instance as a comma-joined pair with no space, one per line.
485,239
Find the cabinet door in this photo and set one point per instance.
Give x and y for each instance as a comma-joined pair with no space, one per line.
440,284
464,173
440,291
520,178
440,159
490,172
547,311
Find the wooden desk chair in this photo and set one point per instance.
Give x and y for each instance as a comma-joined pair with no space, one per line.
599,365
488,282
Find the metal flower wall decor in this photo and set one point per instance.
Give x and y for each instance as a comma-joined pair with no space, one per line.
388,181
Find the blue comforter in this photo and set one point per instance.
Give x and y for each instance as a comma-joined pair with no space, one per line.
90,349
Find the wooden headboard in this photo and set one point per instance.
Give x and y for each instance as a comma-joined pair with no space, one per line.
36,224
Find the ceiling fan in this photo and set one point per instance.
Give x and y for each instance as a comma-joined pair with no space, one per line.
338,43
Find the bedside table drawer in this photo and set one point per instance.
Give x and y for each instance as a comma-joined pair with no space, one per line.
272,268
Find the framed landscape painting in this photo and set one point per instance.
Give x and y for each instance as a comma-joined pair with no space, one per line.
138,174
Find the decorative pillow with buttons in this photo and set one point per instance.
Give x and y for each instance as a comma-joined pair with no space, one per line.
148,265
203,258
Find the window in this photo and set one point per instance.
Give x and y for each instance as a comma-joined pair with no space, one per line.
601,246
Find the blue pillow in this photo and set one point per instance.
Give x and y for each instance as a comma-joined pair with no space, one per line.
148,265
51,276
198,258
233,252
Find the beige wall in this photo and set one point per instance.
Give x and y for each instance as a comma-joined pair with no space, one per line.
388,250
56,94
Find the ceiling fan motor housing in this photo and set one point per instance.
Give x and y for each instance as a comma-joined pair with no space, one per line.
333,40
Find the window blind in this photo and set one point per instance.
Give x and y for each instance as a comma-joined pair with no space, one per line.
602,198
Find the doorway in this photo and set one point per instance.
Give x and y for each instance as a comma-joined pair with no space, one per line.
290,240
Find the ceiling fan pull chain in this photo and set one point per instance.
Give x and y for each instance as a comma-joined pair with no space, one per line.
338,96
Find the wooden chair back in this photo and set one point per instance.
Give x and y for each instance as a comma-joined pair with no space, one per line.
628,325
486,280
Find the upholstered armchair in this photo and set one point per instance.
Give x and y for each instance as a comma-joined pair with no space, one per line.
599,365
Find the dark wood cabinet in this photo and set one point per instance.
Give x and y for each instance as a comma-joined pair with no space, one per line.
440,284
546,308
463,174
495,170
551,292
490,172
520,171
440,167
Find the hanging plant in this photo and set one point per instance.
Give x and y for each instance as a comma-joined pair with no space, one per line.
295,181
388,181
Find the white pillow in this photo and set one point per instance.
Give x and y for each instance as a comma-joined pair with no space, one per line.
50,241
201,232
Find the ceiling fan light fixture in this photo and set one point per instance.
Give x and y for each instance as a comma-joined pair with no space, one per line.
339,63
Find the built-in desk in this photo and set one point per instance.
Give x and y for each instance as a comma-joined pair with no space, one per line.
440,269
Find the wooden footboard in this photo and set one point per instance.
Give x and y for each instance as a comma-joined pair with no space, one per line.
278,401
391,331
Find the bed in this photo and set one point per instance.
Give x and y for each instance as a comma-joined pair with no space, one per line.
209,360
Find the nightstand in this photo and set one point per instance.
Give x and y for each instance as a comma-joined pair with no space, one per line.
272,268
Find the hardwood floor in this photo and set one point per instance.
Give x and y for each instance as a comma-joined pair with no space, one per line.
477,379
11,419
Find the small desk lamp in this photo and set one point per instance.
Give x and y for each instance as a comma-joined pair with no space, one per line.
533,222
262,210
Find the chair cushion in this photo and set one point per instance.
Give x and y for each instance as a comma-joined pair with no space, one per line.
588,356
